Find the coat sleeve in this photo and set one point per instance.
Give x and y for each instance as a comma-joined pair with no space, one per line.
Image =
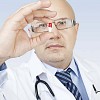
3,74
3,77
2,97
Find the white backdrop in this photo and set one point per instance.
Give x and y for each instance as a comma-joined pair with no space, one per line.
87,15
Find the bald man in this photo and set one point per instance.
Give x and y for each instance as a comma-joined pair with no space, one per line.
53,72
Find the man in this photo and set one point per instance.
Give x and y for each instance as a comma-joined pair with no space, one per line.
52,58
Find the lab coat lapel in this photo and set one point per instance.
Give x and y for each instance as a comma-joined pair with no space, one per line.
88,84
86,74
36,67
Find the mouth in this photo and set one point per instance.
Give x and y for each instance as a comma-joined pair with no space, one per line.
54,46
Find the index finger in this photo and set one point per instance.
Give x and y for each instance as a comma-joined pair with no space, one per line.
30,8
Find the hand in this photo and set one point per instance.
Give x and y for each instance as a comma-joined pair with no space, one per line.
14,41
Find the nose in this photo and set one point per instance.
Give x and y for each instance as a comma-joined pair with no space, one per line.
55,32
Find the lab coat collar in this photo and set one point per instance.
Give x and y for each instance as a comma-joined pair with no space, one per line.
36,67
72,65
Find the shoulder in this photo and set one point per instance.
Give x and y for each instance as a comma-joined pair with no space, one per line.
87,64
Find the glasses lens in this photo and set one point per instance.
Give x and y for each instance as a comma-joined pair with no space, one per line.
64,23
39,27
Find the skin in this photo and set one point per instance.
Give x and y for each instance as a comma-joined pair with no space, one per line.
57,51
14,41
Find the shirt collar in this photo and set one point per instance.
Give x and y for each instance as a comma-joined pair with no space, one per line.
72,65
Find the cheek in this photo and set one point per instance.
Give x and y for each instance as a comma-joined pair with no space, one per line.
39,50
70,38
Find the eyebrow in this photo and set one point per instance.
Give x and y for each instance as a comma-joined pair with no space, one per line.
63,18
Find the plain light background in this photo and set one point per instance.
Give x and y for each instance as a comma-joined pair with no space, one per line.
88,17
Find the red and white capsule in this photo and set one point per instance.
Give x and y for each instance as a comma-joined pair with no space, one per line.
50,27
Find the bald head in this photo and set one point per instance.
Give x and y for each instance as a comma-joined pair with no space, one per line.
63,9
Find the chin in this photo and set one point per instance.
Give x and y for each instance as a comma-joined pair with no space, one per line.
55,57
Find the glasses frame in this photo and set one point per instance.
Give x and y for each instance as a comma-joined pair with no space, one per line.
72,20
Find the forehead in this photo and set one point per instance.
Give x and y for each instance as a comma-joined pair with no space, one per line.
63,9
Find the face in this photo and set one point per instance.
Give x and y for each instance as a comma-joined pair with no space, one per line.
59,48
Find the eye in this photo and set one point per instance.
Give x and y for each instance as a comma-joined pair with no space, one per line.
42,25
62,23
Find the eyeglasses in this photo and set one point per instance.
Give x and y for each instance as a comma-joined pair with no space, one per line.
61,24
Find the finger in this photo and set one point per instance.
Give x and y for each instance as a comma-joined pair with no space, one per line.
44,13
36,5
40,14
43,19
40,39
22,44
28,9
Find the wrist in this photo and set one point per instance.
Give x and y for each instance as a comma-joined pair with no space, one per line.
2,61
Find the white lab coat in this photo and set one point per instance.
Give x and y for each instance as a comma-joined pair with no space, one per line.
19,83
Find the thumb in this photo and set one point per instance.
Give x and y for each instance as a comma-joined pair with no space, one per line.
40,39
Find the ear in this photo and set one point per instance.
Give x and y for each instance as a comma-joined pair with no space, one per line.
76,27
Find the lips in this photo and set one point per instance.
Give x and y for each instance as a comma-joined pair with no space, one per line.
54,46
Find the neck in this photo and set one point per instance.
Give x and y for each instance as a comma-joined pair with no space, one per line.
63,64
